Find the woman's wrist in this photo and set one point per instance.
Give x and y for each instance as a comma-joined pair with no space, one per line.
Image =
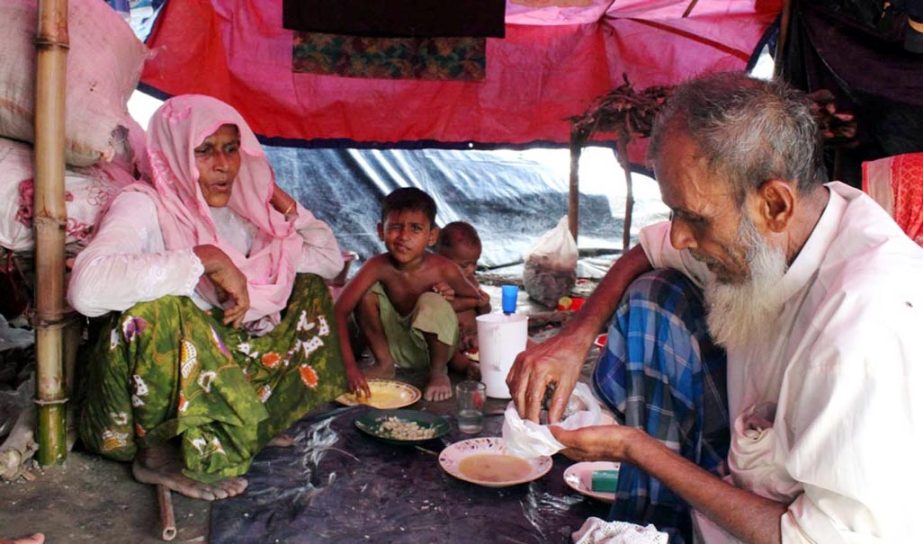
283,202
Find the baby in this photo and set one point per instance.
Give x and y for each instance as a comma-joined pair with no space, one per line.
459,242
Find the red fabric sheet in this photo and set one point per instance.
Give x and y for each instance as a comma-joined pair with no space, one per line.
537,76
907,185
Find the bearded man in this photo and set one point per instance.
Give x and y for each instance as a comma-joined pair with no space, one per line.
810,429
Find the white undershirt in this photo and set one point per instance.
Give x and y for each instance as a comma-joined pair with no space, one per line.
233,229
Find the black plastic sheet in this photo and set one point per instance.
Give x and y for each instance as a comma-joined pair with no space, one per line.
340,485
510,197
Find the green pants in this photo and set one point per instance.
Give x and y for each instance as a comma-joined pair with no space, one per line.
165,368
432,314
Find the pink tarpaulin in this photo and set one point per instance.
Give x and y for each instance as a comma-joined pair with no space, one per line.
537,77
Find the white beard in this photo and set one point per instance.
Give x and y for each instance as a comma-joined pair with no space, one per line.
740,314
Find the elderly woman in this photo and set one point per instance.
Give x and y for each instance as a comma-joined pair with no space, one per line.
221,333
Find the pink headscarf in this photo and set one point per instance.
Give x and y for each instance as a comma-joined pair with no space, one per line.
179,126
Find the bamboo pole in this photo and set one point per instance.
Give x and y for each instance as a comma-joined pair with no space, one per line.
167,519
51,44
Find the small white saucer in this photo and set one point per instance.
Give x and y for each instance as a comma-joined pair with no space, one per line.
579,477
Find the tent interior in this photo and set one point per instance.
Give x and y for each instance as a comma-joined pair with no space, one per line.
486,128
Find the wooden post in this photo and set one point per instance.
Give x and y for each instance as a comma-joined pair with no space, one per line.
573,200
785,22
51,43
621,149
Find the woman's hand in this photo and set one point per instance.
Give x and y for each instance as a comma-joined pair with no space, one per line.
596,443
227,278
556,361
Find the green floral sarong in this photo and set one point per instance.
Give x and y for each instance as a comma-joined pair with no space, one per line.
165,368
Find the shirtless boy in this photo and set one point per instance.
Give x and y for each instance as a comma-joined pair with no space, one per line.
459,242
406,323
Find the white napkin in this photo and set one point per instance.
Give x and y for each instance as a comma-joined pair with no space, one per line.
528,439
597,531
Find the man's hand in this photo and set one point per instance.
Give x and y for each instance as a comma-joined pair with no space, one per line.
596,443
228,279
445,290
556,361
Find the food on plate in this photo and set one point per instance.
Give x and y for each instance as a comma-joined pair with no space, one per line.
494,467
399,429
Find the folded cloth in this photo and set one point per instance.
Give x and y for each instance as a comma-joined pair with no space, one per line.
597,531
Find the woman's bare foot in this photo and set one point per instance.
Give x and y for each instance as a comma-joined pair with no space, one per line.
439,387
37,538
161,465
282,440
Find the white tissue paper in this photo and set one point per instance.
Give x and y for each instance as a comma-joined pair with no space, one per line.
528,439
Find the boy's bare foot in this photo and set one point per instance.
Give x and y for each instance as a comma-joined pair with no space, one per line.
439,387
37,538
282,440
161,465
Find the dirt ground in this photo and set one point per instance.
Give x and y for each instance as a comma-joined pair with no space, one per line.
91,499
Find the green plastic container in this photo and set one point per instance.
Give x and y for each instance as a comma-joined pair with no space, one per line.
604,481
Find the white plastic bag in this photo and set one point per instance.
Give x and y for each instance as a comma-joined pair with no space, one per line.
551,265
528,439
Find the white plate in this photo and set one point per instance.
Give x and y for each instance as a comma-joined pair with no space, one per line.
453,455
579,477
386,394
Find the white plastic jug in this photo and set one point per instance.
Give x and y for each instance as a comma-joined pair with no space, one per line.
500,339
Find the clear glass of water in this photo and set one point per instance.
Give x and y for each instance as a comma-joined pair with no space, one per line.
470,396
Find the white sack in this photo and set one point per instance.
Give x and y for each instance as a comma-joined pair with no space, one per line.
104,64
87,191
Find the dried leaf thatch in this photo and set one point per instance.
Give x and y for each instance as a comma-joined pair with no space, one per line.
622,111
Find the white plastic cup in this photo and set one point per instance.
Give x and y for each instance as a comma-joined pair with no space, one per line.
500,339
